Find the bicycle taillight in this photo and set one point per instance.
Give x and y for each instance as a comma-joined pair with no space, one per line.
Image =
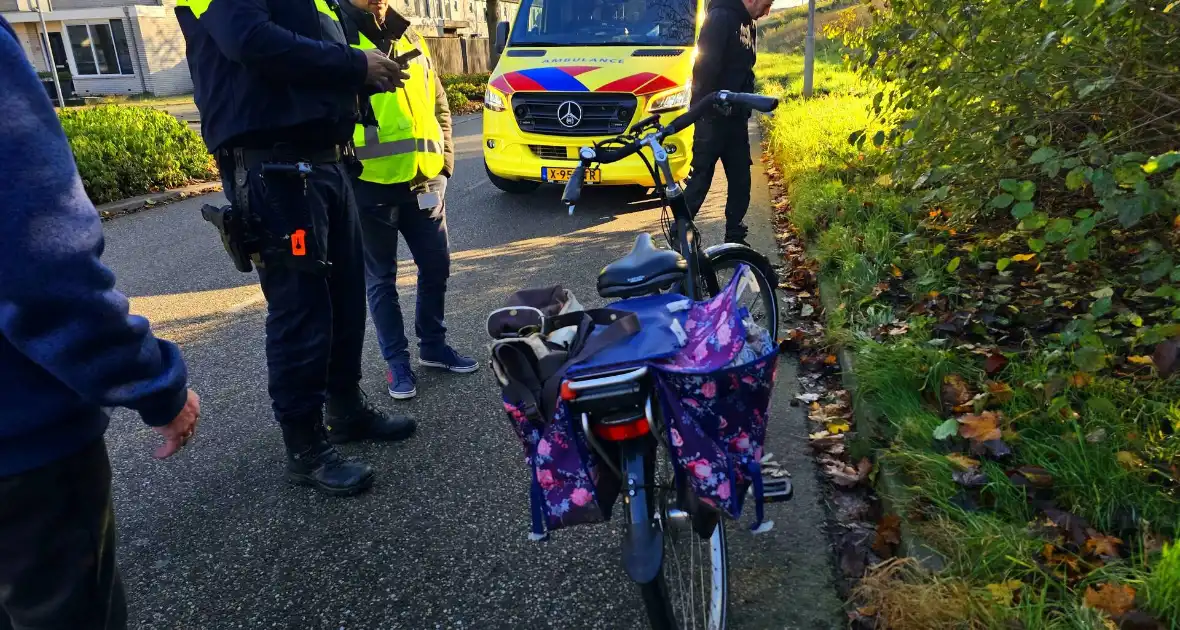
621,431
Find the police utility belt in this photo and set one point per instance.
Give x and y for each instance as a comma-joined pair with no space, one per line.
282,231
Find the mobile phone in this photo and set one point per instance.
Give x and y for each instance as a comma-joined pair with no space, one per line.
404,60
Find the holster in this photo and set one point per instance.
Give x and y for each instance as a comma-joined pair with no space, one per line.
239,233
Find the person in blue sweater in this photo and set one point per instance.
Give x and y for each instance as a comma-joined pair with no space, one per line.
68,350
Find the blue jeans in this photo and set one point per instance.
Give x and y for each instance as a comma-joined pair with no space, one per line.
387,210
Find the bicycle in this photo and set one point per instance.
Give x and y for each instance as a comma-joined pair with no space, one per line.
618,409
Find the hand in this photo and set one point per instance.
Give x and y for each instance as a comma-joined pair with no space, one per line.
178,432
384,73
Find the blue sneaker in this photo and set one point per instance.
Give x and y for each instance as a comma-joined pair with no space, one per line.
445,358
402,382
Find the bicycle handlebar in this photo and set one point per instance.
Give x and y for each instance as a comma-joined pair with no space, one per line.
757,102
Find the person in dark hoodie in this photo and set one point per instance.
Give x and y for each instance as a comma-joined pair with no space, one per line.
68,349
726,52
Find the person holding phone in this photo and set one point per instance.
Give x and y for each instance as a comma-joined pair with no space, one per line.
406,161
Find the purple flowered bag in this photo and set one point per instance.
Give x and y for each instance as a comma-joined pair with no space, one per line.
567,476
715,395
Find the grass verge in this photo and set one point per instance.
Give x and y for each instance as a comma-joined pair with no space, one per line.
1049,481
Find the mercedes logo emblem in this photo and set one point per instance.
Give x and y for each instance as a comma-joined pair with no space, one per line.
569,114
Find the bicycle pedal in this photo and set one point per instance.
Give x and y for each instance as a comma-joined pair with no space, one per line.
777,491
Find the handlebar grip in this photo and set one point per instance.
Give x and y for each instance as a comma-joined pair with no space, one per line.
757,102
573,188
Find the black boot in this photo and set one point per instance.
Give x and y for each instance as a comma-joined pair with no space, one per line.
311,461
352,417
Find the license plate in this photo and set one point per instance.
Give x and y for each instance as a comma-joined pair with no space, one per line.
562,174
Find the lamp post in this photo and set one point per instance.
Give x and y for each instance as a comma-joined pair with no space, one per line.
61,101
809,51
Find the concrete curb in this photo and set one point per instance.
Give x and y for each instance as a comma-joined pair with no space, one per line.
134,204
891,488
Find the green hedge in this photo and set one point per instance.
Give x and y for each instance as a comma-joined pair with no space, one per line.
125,151
457,99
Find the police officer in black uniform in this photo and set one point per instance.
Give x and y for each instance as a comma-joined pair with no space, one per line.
726,52
277,87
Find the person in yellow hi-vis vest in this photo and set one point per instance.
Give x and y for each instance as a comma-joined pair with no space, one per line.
406,158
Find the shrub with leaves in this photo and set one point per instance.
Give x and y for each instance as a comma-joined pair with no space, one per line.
1045,134
457,99
997,244
125,151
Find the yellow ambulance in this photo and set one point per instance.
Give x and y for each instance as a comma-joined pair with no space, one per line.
572,72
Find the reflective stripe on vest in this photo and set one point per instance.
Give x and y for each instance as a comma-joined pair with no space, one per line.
407,144
374,148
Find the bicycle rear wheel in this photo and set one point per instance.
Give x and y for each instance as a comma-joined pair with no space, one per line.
692,589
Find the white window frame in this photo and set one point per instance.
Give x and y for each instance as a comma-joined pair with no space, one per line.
65,32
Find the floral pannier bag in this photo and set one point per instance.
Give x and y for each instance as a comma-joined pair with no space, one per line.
714,371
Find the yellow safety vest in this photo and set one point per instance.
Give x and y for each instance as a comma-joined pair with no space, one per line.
407,144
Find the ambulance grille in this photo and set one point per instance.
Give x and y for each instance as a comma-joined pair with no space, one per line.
573,113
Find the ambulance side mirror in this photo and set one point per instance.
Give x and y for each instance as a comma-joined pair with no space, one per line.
501,37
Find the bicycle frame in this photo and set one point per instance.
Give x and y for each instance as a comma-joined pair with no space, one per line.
684,228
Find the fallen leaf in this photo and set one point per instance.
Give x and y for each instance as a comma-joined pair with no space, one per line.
836,428
995,363
1004,592
1103,546
962,461
1113,599
888,535
1166,355
807,398
955,391
1080,379
946,429
975,404
1129,460
1140,360
831,359
997,449
1073,524
896,271
1023,257
970,478
847,476
1035,476
980,428
999,393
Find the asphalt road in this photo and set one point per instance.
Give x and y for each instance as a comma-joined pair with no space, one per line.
215,538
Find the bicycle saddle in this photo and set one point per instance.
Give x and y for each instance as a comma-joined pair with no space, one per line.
644,271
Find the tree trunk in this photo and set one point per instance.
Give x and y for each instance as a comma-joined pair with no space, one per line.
493,17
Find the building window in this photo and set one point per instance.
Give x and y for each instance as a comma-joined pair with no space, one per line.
100,48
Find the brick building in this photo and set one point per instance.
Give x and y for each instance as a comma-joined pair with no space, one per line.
135,46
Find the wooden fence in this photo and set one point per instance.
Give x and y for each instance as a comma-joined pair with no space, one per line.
459,55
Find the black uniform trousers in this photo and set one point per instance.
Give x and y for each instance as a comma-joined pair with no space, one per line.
315,324
727,140
57,547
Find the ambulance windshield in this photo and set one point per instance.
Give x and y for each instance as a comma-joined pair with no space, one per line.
604,23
